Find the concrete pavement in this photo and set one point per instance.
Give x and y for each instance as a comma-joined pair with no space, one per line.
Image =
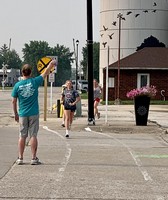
111,160
117,119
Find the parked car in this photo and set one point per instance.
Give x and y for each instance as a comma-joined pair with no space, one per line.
82,85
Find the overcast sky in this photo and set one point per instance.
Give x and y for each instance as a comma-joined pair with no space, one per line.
53,21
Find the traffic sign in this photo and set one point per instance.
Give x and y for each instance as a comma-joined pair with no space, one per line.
51,77
56,58
43,63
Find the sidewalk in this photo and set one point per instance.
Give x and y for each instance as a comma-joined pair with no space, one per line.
118,119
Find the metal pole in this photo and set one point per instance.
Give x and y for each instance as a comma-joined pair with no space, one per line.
10,43
77,43
75,62
58,108
119,41
45,99
80,76
107,83
90,62
117,100
76,82
51,95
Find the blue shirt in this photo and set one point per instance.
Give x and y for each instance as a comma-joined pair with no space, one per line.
27,93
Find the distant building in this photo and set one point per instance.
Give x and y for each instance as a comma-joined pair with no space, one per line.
148,66
11,77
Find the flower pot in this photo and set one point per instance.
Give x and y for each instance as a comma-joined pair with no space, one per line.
141,105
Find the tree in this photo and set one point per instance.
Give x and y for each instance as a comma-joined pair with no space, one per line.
150,42
34,51
96,47
11,58
4,49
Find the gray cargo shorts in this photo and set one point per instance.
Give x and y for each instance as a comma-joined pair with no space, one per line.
29,126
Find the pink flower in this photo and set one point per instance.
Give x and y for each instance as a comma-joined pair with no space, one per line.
146,90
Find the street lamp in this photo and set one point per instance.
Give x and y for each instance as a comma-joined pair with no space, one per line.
77,43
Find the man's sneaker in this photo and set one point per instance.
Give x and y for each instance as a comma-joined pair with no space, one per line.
35,161
19,161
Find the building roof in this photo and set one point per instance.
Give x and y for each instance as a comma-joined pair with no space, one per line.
146,58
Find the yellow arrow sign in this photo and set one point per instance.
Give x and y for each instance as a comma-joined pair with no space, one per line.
43,63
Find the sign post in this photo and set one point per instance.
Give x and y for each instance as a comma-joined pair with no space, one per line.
41,65
45,99
51,80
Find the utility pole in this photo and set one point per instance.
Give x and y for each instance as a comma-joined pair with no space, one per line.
10,43
76,61
77,43
90,62
117,101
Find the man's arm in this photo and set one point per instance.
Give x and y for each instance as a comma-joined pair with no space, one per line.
14,102
48,69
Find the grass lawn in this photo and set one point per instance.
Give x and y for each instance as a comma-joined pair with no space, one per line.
128,102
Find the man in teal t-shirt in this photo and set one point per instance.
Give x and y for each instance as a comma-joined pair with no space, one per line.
26,93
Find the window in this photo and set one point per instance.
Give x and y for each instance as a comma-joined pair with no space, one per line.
143,80
111,82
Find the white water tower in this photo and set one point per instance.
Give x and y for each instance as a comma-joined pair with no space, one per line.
140,20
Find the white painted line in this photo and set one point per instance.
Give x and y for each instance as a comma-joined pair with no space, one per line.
136,160
88,129
66,158
139,164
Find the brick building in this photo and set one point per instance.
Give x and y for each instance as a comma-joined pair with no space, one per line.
148,66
